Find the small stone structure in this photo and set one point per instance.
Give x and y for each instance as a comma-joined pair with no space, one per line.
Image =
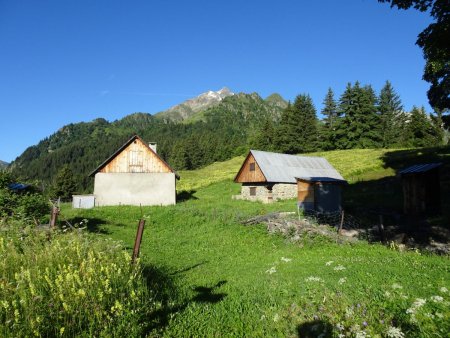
268,177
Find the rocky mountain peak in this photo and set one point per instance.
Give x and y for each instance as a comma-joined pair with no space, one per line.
200,103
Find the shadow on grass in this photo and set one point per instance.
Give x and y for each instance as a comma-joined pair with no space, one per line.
207,294
382,199
188,268
186,195
92,224
315,329
164,287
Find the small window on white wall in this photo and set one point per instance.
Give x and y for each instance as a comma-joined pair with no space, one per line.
252,191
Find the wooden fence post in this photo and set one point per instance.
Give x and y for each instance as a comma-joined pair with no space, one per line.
54,216
342,222
381,229
138,240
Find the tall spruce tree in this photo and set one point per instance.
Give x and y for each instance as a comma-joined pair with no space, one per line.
64,185
359,127
391,121
421,129
330,121
298,127
265,137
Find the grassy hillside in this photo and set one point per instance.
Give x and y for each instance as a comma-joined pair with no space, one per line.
216,277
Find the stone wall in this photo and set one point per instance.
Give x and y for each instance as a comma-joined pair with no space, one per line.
262,193
284,191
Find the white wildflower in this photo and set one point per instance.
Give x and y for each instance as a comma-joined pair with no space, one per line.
419,302
329,263
339,268
436,299
348,312
439,315
276,318
271,270
443,289
313,279
396,286
342,280
340,327
387,294
394,332
284,259
361,334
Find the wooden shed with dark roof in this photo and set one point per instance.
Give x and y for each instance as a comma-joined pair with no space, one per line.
135,175
421,189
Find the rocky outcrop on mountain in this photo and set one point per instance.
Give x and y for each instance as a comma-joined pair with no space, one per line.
187,109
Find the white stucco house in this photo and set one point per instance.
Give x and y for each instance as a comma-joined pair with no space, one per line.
135,175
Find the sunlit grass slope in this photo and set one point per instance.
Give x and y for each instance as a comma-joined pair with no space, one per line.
219,171
215,277
352,164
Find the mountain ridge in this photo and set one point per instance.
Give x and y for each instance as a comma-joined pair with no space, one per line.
3,164
216,133
190,107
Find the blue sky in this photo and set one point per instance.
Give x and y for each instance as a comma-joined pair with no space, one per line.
64,61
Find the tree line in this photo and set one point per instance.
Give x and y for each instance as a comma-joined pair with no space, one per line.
358,119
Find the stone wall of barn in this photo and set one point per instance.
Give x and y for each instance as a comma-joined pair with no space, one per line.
264,194
284,191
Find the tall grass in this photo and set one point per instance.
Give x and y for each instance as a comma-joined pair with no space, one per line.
55,284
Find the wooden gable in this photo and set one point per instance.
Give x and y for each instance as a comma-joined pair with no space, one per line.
135,156
250,172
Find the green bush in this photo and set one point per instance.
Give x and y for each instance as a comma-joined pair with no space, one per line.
56,284
30,204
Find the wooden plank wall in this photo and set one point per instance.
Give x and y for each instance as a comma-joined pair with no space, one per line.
245,175
136,158
305,191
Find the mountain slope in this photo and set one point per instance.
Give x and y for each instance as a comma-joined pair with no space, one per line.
3,164
188,108
220,132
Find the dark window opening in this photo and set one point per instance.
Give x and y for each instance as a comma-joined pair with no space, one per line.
252,166
252,191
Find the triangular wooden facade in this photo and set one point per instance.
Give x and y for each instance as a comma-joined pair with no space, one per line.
135,156
250,172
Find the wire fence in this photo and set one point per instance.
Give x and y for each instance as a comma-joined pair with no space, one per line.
338,219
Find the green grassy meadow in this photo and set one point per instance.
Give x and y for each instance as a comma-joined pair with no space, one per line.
214,277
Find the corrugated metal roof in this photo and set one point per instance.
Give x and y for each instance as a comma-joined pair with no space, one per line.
419,168
285,168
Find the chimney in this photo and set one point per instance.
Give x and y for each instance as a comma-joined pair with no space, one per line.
152,146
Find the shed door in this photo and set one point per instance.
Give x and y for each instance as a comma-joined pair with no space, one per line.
305,192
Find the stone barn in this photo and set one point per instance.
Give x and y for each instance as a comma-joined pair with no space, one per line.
267,176
135,175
